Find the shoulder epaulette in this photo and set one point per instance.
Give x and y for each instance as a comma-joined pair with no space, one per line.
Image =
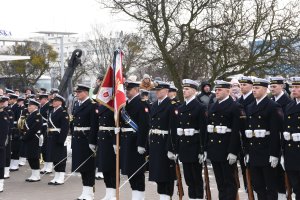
173,102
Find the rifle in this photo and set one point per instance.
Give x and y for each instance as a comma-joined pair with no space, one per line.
207,186
236,176
179,182
249,186
288,187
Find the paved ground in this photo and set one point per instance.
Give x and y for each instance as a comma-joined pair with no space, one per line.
17,189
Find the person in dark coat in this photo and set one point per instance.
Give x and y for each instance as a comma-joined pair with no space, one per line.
58,129
34,123
247,97
278,95
83,154
173,95
161,168
44,110
4,124
291,139
15,135
206,96
133,144
263,127
103,136
10,113
223,139
24,113
191,130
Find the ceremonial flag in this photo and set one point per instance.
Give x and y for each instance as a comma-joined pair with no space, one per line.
111,93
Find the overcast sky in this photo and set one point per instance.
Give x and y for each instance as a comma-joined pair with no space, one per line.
23,17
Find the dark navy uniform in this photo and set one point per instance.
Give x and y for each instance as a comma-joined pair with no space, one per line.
221,143
11,130
191,131
263,128
291,146
283,101
58,129
4,124
82,116
130,140
161,168
33,124
103,137
24,114
244,102
15,143
44,110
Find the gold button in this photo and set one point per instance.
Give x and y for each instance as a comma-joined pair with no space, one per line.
157,142
190,114
187,141
219,141
221,124
211,140
180,123
213,123
250,125
289,126
290,145
250,117
290,117
158,118
98,138
180,113
298,145
258,126
251,143
259,143
213,114
158,126
222,116
188,123
180,140
259,117
298,117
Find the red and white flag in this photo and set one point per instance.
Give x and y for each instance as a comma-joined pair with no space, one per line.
111,93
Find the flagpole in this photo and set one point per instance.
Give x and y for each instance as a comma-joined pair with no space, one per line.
118,162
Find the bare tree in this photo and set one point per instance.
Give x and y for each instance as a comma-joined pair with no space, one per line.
210,39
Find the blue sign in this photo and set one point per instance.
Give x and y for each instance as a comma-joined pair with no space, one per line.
5,33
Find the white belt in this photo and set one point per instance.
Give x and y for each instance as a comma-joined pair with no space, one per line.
158,132
15,122
127,130
45,124
39,132
54,129
218,129
82,128
186,131
295,136
104,128
258,133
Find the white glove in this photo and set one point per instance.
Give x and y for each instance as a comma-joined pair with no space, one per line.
282,162
115,148
92,147
172,156
41,140
141,150
246,159
204,156
200,157
117,130
231,158
274,161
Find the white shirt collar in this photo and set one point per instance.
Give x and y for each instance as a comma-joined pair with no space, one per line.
133,97
84,100
34,111
297,101
191,99
247,95
258,101
224,99
55,109
160,101
278,97
44,104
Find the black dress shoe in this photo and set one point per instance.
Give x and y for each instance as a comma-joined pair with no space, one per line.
6,177
32,181
99,178
56,183
51,183
14,170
